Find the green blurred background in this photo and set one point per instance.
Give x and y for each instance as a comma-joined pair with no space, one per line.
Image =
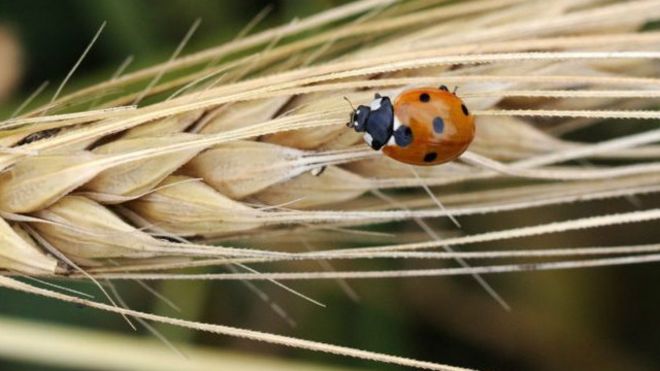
604,319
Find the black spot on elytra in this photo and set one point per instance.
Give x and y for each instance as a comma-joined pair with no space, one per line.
424,97
438,125
465,110
430,157
403,136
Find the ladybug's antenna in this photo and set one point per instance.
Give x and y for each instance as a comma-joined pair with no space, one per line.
455,88
349,103
349,124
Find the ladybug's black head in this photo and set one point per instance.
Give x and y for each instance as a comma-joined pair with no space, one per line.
375,120
359,118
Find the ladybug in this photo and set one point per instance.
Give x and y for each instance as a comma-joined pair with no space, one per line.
425,126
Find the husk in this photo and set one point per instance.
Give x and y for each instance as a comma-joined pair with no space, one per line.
37,182
242,168
82,228
135,178
307,190
184,206
20,254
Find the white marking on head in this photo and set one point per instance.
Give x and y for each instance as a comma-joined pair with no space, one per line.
396,124
391,142
357,112
375,104
367,138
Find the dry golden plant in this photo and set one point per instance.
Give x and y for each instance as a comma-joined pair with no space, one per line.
174,163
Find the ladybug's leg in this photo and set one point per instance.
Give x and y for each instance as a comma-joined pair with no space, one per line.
377,96
443,87
318,171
